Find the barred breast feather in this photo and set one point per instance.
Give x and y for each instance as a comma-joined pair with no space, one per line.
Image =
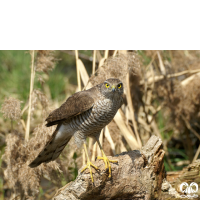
96,118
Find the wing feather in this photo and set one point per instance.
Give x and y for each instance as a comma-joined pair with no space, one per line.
74,105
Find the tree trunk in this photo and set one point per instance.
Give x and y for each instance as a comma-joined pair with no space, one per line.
138,175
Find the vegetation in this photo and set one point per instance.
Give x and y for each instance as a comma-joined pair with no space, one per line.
162,97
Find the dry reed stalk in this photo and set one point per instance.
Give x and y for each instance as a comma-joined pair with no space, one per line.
30,94
99,57
84,75
77,71
131,110
122,147
108,137
82,72
102,60
115,53
130,138
84,157
122,51
161,65
23,124
90,146
187,80
94,62
106,54
94,151
144,124
161,77
25,107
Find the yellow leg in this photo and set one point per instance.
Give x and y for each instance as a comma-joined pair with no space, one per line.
89,164
105,159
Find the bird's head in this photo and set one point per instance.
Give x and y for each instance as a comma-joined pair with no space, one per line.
112,87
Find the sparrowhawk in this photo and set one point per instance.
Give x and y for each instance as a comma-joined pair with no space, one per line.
83,115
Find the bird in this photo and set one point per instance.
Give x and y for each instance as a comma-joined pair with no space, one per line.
82,115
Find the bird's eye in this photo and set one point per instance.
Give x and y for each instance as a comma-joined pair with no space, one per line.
119,86
107,86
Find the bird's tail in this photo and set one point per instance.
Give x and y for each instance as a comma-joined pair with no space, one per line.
51,150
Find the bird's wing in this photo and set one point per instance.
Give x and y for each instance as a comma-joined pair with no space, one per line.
74,105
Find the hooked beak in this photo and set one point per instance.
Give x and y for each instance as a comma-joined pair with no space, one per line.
113,88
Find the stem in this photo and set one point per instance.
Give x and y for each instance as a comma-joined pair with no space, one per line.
77,71
31,90
94,62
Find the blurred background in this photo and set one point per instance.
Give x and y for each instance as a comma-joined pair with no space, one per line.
162,97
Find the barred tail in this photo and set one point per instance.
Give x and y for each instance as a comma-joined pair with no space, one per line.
51,151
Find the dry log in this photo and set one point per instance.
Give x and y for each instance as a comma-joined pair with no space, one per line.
138,175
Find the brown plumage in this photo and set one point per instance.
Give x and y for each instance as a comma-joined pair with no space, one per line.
83,114
75,105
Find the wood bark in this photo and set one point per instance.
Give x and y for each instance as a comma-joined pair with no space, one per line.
138,175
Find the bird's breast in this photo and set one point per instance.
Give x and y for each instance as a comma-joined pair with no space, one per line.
97,117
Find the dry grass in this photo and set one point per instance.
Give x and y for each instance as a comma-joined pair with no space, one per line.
19,177
11,109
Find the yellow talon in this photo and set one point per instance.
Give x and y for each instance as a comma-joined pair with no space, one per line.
105,159
89,164
107,162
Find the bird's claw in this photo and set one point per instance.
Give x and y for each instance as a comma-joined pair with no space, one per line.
89,164
107,163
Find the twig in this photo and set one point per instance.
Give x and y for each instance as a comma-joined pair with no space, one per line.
31,90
